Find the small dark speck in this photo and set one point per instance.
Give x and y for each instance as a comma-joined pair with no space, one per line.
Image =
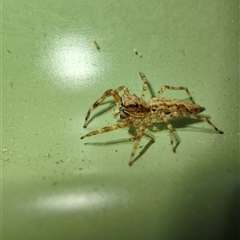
80,169
115,150
8,50
54,183
57,162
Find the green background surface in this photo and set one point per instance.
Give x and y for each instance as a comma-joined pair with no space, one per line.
54,186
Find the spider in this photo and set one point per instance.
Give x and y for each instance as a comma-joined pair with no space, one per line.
134,110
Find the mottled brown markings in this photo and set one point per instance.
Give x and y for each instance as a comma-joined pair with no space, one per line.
135,111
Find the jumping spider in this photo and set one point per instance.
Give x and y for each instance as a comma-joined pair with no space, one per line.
136,111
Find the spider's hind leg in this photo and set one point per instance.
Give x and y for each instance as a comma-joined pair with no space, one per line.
204,119
160,92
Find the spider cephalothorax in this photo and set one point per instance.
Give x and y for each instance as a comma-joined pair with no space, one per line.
134,106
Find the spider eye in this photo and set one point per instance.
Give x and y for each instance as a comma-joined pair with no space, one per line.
133,105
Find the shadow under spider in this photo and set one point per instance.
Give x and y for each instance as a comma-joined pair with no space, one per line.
156,127
132,131
181,123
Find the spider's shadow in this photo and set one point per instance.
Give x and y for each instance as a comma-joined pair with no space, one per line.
177,123
150,89
181,123
132,131
156,127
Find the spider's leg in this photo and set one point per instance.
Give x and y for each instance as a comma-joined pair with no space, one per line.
108,93
136,143
145,85
160,92
170,128
204,119
109,128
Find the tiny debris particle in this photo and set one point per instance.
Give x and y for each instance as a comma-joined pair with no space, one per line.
137,53
96,44
4,150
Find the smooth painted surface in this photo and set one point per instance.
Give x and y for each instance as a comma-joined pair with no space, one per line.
56,187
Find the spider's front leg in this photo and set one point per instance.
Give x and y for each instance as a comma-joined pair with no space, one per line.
109,128
108,93
145,85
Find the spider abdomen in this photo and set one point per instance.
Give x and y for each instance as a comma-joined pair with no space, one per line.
174,108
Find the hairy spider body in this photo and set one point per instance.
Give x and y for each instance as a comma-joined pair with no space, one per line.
134,110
